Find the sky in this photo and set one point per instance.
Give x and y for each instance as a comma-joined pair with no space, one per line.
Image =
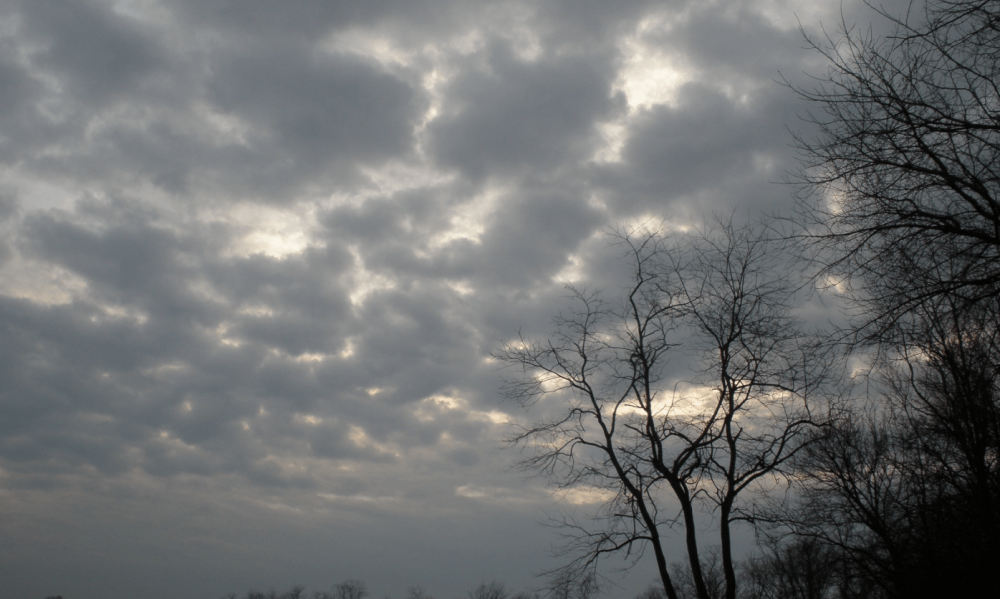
255,256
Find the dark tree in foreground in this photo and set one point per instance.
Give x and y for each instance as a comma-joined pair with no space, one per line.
908,492
804,568
711,571
903,210
902,183
617,413
569,585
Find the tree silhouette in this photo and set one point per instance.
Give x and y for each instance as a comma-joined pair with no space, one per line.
617,418
901,209
901,184
490,590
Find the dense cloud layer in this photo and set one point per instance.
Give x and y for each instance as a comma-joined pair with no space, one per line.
256,256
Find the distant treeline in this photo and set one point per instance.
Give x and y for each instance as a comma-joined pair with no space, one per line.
356,589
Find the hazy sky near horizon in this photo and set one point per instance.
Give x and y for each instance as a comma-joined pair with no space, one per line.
255,256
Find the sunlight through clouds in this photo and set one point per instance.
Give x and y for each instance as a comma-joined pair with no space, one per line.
468,221
272,232
583,495
40,282
651,76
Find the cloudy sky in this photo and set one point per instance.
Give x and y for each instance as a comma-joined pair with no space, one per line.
255,256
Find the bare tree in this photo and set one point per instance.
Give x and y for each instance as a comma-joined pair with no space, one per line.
857,498
351,589
653,591
711,570
618,417
767,374
803,568
902,205
569,585
417,593
908,491
945,387
490,590
902,183
296,592
946,384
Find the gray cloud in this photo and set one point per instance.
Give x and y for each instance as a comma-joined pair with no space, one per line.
708,148
256,255
317,109
512,115
98,54
20,120
313,19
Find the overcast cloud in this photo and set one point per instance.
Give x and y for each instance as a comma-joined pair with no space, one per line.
255,256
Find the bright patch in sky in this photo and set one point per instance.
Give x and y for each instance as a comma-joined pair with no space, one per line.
583,495
272,232
40,282
650,75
